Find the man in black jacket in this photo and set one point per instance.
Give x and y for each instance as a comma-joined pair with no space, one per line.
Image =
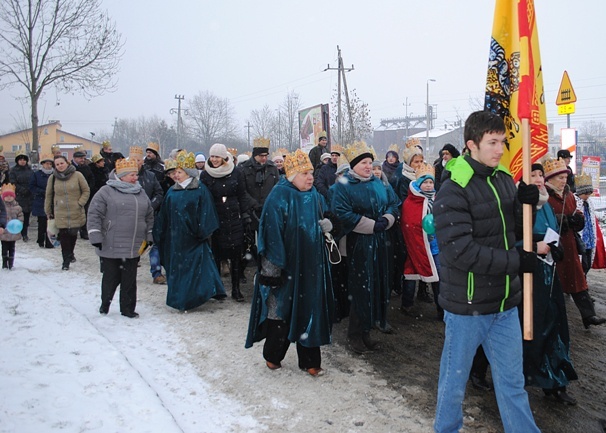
109,155
79,161
479,285
326,176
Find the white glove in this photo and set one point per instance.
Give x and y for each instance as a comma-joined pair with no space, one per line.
325,225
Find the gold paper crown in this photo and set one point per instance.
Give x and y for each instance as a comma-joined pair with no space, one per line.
153,146
282,151
261,142
297,162
553,167
232,151
356,149
106,144
425,169
394,147
169,164
8,187
582,180
135,151
185,159
413,142
126,166
410,152
55,148
79,149
323,134
46,157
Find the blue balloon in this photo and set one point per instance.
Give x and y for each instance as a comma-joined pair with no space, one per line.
14,227
428,224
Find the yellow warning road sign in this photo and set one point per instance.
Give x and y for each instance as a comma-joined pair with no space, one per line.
566,93
566,109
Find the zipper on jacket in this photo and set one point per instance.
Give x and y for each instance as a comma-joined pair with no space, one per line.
502,306
470,287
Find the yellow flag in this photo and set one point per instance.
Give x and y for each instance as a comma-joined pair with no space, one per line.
514,83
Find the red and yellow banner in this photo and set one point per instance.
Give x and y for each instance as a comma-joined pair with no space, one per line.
514,83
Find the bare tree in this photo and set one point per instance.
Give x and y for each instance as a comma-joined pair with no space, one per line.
264,123
140,131
211,118
288,121
69,44
356,123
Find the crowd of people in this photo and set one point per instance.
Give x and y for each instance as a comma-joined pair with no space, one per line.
401,225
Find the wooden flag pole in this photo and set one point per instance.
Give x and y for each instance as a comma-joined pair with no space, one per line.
527,231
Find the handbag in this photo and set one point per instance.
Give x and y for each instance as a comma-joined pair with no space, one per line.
51,228
334,255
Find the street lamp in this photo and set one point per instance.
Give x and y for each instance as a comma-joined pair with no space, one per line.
427,117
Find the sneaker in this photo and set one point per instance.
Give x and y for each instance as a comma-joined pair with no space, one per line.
160,279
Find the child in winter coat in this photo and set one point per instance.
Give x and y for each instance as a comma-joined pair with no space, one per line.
422,260
13,211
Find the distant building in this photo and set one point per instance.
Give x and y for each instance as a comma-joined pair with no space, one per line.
438,137
49,135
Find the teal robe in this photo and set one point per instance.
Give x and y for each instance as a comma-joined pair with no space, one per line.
368,255
182,228
291,238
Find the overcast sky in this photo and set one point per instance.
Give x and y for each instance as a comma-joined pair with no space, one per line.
255,52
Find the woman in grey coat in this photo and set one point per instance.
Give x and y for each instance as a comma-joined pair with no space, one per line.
120,220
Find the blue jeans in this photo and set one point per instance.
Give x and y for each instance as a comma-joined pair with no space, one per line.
154,262
501,337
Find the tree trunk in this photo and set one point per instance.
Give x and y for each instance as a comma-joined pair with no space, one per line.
34,153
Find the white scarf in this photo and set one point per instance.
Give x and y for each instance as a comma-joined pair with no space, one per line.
221,171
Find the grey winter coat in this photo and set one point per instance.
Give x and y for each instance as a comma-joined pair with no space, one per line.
66,197
120,218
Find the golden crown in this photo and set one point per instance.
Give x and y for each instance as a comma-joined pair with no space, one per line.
394,147
552,166
232,151
410,152
8,187
185,159
126,166
425,169
153,146
261,142
169,164
356,149
136,152
46,157
55,148
323,134
106,144
297,162
413,142
583,180
282,151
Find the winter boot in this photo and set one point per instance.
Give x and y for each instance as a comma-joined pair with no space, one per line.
423,293
4,262
369,342
356,344
11,261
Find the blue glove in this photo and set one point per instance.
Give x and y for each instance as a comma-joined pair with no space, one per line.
381,224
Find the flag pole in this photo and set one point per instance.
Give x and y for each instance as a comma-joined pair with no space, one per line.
527,232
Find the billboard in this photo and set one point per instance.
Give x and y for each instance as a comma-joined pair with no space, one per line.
312,121
591,167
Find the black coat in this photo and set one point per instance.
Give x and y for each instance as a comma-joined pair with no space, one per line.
259,180
37,185
20,177
110,159
326,177
101,175
231,201
156,167
88,175
152,188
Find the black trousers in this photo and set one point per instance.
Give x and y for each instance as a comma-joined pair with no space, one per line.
25,223
123,273
68,238
43,239
8,254
583,302
234,255
277,343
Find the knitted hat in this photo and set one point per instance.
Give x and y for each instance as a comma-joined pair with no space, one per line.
377,163
242,157
297,162
451,149
537,166
124,167
342,169
154,147
324,156
7,190
200,157
322,135
219,150
583,184
410,153
554,167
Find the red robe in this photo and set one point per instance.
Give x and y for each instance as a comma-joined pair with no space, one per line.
599,261
419,263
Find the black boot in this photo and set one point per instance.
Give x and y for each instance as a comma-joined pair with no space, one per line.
369,342
356,344
11,260
423,293
237,295
4,262
593,320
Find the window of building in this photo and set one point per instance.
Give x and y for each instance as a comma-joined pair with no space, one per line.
62,138
45,131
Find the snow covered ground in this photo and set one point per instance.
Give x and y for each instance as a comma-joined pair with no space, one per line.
64,367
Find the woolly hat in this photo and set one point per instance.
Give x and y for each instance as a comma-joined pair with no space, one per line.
200,157
583,184
564,153
242,157
278,158
377,163
410,153
342,169
394,154
260,151
7,190
260,146
451,149
219,150
537,166
324,156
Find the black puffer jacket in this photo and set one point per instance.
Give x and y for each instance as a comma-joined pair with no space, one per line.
229,196
259,180
325,178
20,177
475,225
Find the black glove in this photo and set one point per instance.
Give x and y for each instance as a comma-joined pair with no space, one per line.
528,261
576,221
270,281
150,244
528,194
557,252
99,245
381,224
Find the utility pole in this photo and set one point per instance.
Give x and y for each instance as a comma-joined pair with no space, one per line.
179,119
248,126
341,73
406,104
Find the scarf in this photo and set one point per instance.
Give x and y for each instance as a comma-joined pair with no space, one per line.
389,168
360,178
407,171
260,176
65,174
45,171
221,171
124,187
543,197
559,191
